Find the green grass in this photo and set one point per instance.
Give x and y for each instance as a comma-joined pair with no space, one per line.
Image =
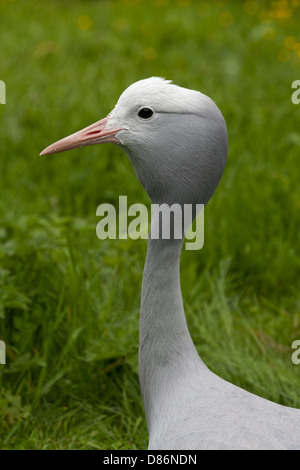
69,303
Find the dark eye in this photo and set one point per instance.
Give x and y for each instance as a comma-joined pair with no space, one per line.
145,113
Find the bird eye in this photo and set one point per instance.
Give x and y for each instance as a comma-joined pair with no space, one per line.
145,113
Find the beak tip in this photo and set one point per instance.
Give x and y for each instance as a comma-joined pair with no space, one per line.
46,151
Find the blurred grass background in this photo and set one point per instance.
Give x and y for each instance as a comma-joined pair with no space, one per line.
69,303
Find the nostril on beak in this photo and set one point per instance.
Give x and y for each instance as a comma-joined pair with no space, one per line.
93,132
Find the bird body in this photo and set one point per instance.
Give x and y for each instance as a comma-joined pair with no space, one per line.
187,406
176,140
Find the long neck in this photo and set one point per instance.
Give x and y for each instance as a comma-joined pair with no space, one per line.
167,353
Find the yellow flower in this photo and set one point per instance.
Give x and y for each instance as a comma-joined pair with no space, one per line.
291,42
281,13
85,22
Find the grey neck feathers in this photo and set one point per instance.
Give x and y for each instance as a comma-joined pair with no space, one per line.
166,353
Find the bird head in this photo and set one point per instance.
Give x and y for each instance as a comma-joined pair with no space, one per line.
175,138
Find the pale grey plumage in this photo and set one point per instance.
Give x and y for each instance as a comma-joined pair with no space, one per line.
187,406
179,155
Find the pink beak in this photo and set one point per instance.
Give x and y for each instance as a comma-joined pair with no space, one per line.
97,133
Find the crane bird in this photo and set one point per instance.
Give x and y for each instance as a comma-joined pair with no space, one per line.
176,140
